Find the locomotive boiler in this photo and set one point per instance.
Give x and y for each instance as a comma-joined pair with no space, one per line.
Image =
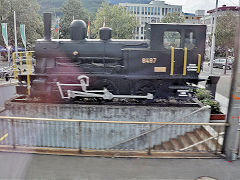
166,65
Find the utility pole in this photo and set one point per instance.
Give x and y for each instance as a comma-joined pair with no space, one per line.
213,38
15,33
231,139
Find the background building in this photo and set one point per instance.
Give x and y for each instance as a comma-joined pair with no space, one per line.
150,13
194,18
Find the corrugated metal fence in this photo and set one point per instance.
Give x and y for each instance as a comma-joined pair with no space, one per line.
99,135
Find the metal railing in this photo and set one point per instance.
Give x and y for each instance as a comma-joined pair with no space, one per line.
108,135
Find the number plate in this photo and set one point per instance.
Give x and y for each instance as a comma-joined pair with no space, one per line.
149,60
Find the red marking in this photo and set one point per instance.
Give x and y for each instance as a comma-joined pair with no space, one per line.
238,117
235,97
233,117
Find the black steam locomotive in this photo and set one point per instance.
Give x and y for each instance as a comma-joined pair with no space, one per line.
166,65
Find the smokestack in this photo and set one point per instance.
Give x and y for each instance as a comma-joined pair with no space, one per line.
47,20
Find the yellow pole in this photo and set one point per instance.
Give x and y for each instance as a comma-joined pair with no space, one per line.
14,68
28,72
172,61
185,62
21,63
199,63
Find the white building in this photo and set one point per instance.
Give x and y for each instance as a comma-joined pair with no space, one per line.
149,13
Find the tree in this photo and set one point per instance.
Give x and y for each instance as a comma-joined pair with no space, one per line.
26,13
173,18
72,9
225,32
118,18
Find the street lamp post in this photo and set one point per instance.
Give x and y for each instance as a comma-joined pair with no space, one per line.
213,39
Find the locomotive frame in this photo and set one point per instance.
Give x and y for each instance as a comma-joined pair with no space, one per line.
164,66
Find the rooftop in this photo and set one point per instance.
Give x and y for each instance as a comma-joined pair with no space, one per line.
225,8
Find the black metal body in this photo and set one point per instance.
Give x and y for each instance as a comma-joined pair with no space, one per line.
122,66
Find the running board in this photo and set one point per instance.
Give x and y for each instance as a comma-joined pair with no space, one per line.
105,93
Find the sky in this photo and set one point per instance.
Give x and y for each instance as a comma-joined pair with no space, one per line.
192,5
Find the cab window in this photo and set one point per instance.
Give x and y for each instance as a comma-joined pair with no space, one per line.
189,40
171,39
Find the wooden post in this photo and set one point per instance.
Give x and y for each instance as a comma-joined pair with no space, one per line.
150,140
217,144
13,134
79,138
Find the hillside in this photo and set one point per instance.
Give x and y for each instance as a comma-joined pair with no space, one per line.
55,5
90,5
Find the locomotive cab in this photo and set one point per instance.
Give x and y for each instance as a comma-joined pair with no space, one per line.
174,51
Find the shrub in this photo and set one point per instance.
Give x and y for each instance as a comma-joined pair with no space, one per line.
215,106
202,94
206,98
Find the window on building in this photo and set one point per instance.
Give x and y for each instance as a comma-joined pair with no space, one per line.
152,9
166,12
145,10
141,30
138,10
153,20
158,11
171,39
162,11
141,37
142,10
149,9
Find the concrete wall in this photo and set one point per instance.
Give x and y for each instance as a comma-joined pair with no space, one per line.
98,135
7,91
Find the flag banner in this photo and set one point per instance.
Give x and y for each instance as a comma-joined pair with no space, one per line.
23,35
88,30
57,27
4,33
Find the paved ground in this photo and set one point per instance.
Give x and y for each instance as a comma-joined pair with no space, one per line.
223,86
224,82
7,91
27,166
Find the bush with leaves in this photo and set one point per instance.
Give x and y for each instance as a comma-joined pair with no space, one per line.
72,9
206,98
175,17
122,22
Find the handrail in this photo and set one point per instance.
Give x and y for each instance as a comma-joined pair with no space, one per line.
203,141
28,55
111,122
